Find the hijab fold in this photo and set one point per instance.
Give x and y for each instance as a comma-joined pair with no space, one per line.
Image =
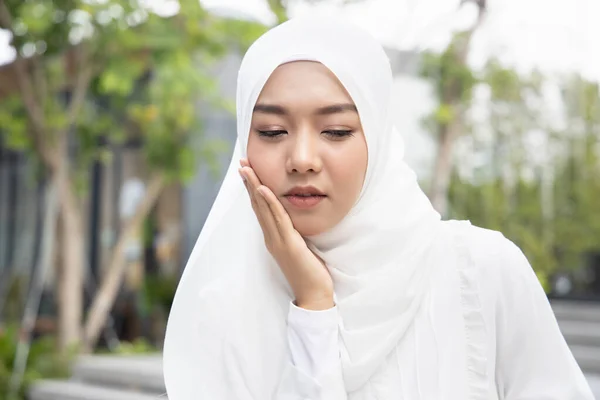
226,334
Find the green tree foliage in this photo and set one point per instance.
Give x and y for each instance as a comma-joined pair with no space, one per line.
452,79
143,74
90,74
577,189
453,82
279,9
553,211
44,362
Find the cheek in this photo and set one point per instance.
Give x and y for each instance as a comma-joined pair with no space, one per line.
350,170
265,161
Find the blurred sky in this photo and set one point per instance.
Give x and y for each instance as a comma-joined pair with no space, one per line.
554,35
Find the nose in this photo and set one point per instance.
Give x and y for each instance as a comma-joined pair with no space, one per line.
303,155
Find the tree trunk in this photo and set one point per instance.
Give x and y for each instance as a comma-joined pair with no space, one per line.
442,172
34,296
443,166
50,146
111,282
278,8
72,245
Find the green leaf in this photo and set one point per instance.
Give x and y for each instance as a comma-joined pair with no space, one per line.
444,114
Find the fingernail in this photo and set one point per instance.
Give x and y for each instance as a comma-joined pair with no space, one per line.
241,171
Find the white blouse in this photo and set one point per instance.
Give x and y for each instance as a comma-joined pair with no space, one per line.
488,323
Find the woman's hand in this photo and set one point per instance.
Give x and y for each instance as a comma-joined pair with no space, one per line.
306,273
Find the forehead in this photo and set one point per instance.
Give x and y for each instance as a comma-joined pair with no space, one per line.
303,80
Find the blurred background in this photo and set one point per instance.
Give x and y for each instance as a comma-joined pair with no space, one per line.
117,124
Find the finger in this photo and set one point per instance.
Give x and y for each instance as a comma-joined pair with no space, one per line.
282,219
250,176
267,216
250,185
254,203
263,207
247,186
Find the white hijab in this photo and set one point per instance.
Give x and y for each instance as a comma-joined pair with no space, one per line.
226,335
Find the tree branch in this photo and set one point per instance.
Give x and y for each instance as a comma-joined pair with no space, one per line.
41,83
278,8
26,87
450,132
108,290
80,87
481,11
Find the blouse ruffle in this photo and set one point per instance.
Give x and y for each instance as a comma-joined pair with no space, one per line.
475,328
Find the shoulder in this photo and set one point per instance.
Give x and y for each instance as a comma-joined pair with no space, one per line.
491,251
498,263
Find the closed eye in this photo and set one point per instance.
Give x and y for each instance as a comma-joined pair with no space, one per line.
271,134
338,133
333,133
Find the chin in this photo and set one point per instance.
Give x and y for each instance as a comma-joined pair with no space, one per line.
309,227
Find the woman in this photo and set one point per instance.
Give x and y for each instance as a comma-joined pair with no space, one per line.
323,272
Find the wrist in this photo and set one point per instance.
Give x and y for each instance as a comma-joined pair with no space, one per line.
315,304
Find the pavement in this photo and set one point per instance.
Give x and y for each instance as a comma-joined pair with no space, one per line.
133,378
140,377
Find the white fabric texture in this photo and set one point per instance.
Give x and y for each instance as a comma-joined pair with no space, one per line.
227,326
227,334
513,348
313,339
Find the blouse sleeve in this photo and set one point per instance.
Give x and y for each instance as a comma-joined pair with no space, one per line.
316,372
534,361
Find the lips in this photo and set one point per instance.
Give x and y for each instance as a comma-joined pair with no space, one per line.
304,191
304,196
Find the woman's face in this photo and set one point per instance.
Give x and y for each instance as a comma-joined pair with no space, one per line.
307,145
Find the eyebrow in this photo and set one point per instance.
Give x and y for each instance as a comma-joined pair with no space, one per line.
327,110
337,108
270,109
